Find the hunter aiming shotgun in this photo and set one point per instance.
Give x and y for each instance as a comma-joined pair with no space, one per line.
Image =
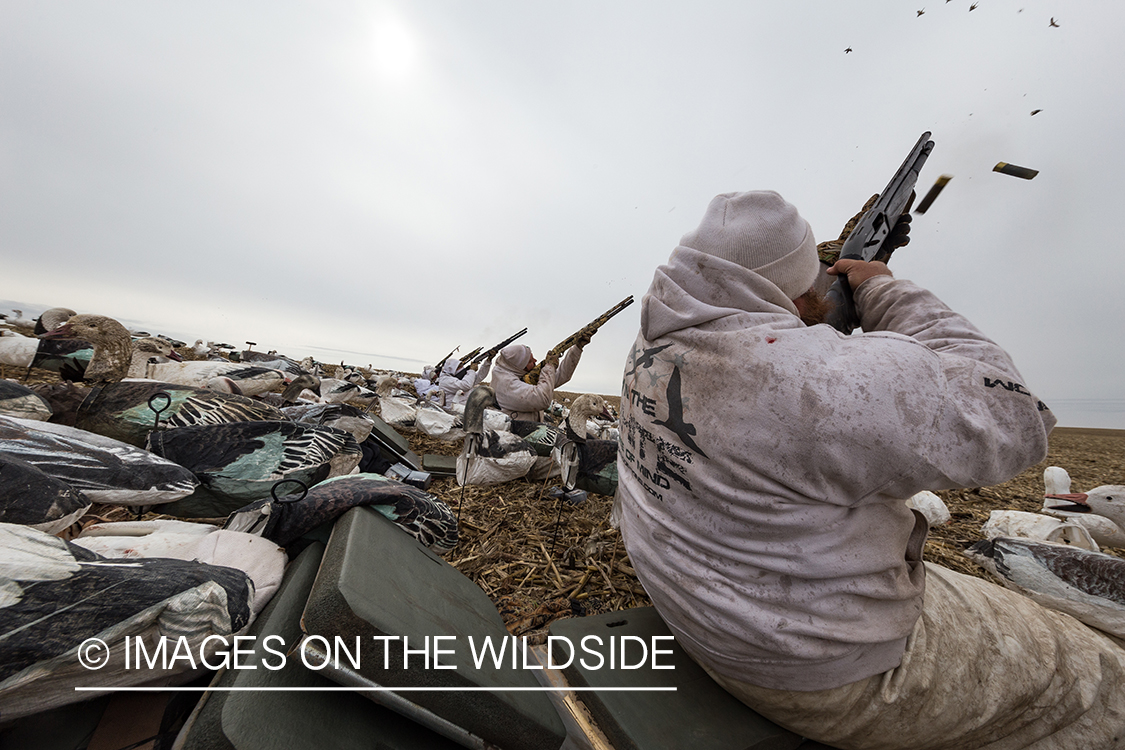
478,356
441,364
533,376
868,241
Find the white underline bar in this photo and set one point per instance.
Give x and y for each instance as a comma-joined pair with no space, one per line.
335,689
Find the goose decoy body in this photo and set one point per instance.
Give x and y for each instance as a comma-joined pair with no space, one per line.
20,401
260,559
128,411
56,594
239,463
102,469
418,513
489,456
395,408
31,497
586,463
931,506
1037,527
1089,586
68,358
19,321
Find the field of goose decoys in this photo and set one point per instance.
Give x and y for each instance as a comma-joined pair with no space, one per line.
118,448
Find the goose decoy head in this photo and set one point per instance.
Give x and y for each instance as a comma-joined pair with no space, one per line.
97,329
1108,500
479,399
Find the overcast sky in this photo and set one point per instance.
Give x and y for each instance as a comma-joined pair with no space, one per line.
379,182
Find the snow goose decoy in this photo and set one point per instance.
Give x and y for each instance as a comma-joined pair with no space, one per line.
260,559
1037,527
1056,483
395,408
1106,504
489,456
931,506
586,463
1089,586
19,321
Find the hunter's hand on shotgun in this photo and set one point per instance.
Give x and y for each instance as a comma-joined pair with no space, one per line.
883,228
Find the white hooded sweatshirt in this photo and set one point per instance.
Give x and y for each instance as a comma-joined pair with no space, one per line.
457,389
764,465
520,400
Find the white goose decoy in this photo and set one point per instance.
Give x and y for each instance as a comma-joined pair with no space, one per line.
397,410
931,506
259,558
1106,530
1089,586
1106,503
1037,527
19,321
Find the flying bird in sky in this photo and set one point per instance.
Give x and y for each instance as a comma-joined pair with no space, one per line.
972,7
1055,25
849,49
920,12
1036,111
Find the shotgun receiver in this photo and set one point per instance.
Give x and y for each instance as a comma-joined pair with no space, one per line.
868,240
533,376
478,356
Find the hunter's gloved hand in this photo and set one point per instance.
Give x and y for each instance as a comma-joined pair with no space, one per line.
584,338
900,233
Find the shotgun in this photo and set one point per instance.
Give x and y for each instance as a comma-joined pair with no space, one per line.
868,240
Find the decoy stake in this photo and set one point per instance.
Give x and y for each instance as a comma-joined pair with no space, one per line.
161,410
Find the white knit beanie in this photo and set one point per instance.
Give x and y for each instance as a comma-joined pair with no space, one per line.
760,231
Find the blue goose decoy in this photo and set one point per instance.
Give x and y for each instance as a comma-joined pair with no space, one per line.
128,411
285,520
103,469
1089,586
238,463
586,463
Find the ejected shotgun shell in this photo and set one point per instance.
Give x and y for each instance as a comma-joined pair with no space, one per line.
930,196
1021,172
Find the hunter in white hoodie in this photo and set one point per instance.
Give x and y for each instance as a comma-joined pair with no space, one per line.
764,463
